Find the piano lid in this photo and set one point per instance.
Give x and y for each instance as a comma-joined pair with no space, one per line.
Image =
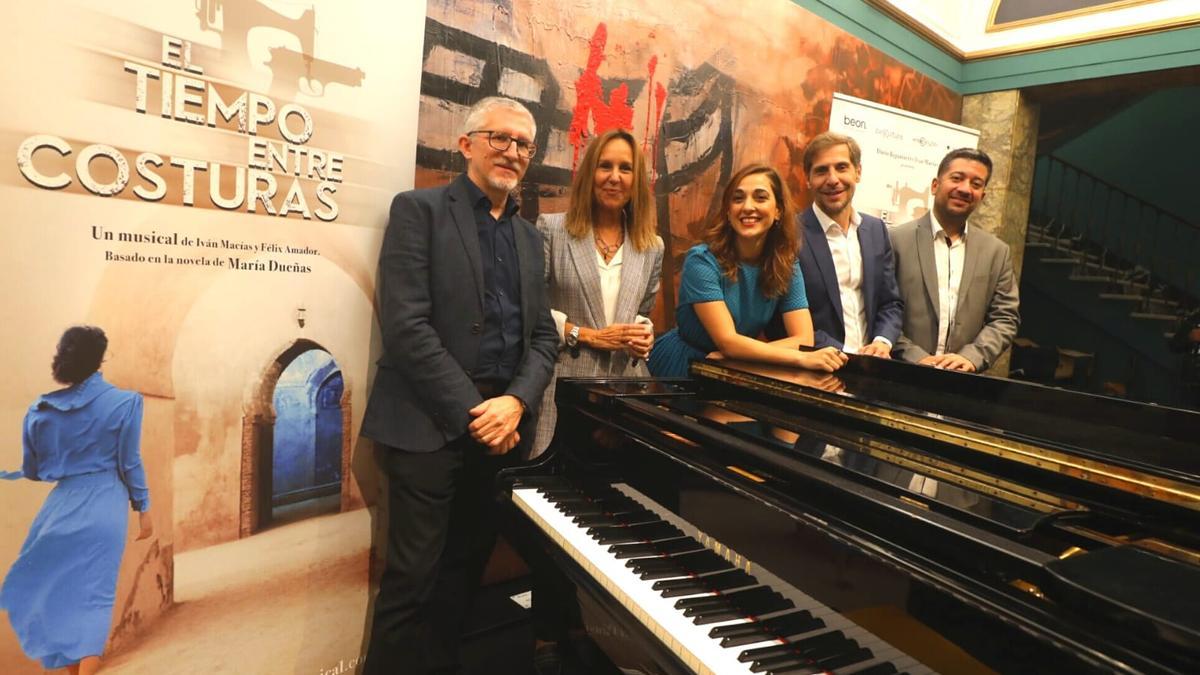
1140,448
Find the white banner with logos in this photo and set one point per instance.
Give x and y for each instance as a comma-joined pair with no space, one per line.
900,154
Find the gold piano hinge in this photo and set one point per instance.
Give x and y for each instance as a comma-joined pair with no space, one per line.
746,474
1112,476
676,437
1029,588
913,502
1170,550
1071,551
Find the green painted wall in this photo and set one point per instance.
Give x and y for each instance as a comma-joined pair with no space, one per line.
1143,53
1148,150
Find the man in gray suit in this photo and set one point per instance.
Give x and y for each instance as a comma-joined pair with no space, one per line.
468,349
957,282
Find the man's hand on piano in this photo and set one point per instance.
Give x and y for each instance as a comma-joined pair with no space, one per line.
949,362
877,348
495,422
826,359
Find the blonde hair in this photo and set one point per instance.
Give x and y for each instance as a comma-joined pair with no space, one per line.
641,220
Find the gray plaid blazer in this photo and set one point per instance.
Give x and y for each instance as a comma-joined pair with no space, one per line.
573,287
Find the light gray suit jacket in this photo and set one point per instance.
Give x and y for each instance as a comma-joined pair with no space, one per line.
573,287
987,316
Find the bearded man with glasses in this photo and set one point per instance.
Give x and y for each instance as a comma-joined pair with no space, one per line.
468,349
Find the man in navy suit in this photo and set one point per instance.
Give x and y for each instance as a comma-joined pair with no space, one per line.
468,350
846,256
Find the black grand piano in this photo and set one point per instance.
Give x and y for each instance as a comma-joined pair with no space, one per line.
890,518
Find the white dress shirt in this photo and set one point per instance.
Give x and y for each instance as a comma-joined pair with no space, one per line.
847,262
949,257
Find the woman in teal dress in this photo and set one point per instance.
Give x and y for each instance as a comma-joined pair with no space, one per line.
85,437
733,283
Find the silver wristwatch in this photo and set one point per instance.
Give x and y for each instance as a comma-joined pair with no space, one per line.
573,337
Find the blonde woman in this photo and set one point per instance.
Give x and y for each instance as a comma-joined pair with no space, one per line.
603,263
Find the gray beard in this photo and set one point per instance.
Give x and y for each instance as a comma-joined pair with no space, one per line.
499,184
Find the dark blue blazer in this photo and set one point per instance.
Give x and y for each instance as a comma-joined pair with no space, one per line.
881,295
431,318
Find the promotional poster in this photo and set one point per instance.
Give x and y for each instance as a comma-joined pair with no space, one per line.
206,181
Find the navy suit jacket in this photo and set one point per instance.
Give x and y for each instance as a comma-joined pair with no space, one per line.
881,295
431,316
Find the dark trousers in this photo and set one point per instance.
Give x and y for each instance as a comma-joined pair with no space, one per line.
442,520
555,605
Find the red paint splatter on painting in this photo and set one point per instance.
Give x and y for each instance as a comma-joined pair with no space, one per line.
650,68
660,97
594,115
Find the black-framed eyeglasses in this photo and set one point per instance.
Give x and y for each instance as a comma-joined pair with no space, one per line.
500,140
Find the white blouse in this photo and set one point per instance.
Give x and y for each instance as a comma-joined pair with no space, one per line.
610,283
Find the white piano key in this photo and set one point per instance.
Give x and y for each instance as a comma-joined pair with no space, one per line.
833,620
690,642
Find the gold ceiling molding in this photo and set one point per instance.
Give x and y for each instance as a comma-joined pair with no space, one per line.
919,28
1057,16
950,48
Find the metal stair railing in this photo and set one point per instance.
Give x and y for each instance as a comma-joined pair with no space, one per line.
1112,237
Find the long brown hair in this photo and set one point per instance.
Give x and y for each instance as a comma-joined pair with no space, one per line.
782,243
641,221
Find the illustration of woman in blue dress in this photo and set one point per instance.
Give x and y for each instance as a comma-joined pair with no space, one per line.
85,437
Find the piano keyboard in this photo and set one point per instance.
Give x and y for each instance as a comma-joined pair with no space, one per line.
717,617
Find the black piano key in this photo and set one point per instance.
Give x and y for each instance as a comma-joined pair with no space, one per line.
777,664
558,497
596,506
817,646
782,626
744,599
771,652
553,493
721,581
701,602
617,534
716,616
673,572
798,669
575,509
786,625
622,518
695,562
805,665
704,618
771,657
655,548
562,496
758,601
847,659
763,603
885,668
